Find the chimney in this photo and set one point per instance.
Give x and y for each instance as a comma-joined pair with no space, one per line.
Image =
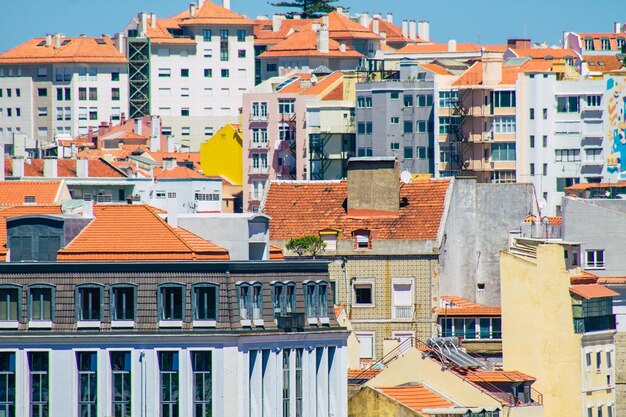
518,43
88,209
169,163
122,118
451,45
1,162
138,125
325,21
322,40
376,26
373,186
277,21
48,40
492,67
423,30
82,168
226,4
297,17
50,168
342,47
364,19
18,167
377,15
339,10
155,134
384,36
57,40
412,30
153,20
405,28
617,27
200,4
172,212
171,144
192,9
120,43
143,24
389,17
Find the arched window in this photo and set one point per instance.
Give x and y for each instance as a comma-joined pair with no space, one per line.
123,298
171,302
250,298
283,298
89,299
10,305
205,301
41,302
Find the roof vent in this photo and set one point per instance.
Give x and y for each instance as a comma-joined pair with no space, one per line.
29,199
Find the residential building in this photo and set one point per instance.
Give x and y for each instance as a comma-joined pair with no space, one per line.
14,193
61,87
567,337
384,246
396,118
191,69
115,338
600,43
296,127
222,155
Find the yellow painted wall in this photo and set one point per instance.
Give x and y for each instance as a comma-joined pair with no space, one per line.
222,155
537,328
372,403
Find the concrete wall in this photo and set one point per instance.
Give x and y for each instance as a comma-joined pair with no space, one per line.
477,229
372,403
373,185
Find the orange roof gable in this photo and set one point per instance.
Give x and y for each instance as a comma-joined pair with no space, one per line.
304,43
80,50
393,32
212,14
45,192
498,376
590,291
119,233
542,53
342,27
603,63
473,76
416,397
451,305
269,37
437,69
177,172
305,207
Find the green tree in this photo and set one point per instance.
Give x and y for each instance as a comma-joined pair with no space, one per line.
308,244
307,9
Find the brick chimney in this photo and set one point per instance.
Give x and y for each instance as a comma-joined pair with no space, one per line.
373,186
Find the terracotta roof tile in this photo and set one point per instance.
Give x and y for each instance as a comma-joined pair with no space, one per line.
473,75
304,43
416,397
342,27
590,291
542,53
177,172
590,185
66,168
611,280
305,207
551,220
276,253
602,63
437,69
212,14
264,36
498,376
16,211
450,305
362,373
424,48
12,193
80,50
393,32
118,233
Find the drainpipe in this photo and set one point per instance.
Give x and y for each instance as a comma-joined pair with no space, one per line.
344,266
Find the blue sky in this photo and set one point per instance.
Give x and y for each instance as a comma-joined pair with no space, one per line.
481,21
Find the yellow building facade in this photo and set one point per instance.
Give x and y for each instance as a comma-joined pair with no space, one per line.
549,332
222,155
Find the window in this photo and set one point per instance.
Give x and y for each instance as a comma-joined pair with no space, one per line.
286,106
59,94
68,95
224,45
165,72
503,151
171,302
89,303
93,93
408,152
42,111
42,92
598,361
168,383
366,345
421,152
184,111
250,298
241,35
7,382
408,101
545,114
82,93
594,258
41,303
362,239
115,94
241,53
42,72
115,76
364,151
208,53
567,155
503,99
394,120
447,125
408,126
205,301
10,303
259,110
184,92
394,146
363,293
184,72
422,126
38,365
316,299
87,364
545,141
402,299
208,72
394,95
609,360
9,92
82,113
562,183
588,360
567,104
272,67
283,298
121,381
532,169
532,114
299,353
207,34
123,302
360,102
286,383
93,113
447,99
202,384
545,169
504,124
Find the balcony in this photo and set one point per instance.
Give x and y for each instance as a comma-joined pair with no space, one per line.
259,145
260,170
594,324
255,196
403,312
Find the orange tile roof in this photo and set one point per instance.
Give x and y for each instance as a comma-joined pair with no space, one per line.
542,53
160,34
342,27
603,63
325,85
212,14
118,233
552,220
305,207
393,32
362,373
611,280
66,168
597,39
451,305
12,193
276,253
15,211
584,277
304,43
437,69
177,172
416,397
472,76
424,48
338,310
590,291
269,37
80,50
498,376
583,186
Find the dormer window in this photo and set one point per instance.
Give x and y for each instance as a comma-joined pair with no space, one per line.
89,300
362,239
250,298
10,296
283,298
605,44
171,304
316,300
589,44
329,236
29,199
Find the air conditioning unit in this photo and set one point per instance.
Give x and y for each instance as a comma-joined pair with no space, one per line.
290,322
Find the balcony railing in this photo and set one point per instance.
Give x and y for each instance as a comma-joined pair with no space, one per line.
259,145
403,312
260,170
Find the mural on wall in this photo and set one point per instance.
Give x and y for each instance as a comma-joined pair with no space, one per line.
616,162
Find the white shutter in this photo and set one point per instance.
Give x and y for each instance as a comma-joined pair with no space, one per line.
402,294
366,344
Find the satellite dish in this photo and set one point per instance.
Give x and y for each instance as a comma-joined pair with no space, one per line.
406,177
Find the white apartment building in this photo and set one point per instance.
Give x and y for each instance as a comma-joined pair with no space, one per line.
61,86
560,135
201,62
